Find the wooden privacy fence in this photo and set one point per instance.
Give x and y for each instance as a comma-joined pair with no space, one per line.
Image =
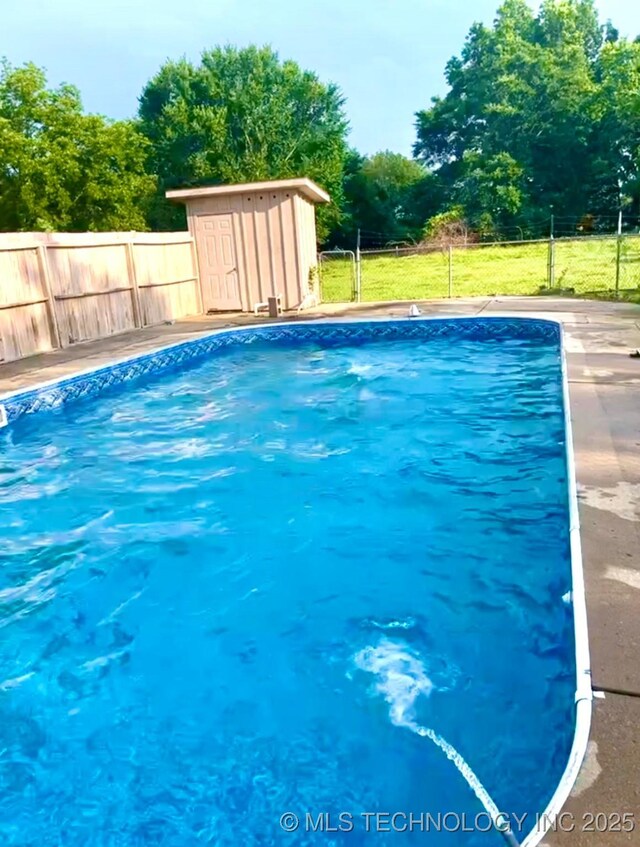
60,288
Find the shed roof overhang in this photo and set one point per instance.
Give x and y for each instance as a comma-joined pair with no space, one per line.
304,186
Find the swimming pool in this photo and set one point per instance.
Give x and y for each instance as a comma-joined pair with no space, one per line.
319,573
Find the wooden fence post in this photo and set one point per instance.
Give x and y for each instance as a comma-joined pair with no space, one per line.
196,273
43,264
133,280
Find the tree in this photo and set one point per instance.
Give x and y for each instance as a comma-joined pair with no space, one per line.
490,188
62,169
387,196
616,163
242,115
528,119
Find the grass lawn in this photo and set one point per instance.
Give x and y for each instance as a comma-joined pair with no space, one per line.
588,266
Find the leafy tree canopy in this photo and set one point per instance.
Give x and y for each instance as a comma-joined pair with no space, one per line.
542,110
61,169
387,197
243,115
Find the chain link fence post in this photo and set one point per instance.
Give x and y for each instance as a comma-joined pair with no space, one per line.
450,271
618,255
358,271
551,262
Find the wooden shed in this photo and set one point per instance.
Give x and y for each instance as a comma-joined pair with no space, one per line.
254,241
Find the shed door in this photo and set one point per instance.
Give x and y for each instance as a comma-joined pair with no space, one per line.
217,262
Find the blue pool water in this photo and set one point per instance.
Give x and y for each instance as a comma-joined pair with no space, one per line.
256,586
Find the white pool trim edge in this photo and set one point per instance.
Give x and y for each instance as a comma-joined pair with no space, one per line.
584,693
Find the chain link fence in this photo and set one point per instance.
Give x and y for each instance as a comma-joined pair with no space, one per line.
338,276
589,266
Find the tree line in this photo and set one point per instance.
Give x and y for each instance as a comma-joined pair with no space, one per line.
542,113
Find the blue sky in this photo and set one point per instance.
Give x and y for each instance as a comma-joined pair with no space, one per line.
388,56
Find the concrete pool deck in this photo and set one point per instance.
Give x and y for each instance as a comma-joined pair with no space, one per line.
604,385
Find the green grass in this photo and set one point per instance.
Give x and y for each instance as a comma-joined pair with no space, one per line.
586,268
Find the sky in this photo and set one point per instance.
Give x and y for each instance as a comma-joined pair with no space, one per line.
387,56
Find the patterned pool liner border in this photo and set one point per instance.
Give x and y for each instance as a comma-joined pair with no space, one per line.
51,395
91,382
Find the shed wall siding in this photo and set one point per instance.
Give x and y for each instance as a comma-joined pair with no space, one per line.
274,233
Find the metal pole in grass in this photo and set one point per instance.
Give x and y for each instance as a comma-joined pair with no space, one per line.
450,271
618,253
358,270
551,264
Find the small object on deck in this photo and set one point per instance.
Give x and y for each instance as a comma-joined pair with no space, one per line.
635,354
275,306
309,301
272,304
414,311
